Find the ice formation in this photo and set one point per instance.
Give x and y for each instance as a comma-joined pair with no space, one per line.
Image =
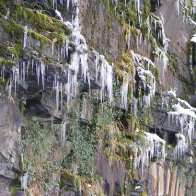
183,115
58,15
105,71
185,118
171,94
63,132
21,71
181,147
124,89
153,146
159,27
80,56
24,180
178,6
157,24
57,88
25,32
193,39
143,67
16,77
161,57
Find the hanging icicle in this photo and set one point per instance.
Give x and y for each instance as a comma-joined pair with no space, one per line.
25,32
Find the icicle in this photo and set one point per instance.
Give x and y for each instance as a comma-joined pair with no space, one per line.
68,2
15,73
162,58
25,32
61,91
61,2
134,107
58,15
38,72
23,72
67,48
43,74
124,89
57,95
9,89
178,6
96,64
24,180
106,78
52,47
68,87
84,65
63,133
193,39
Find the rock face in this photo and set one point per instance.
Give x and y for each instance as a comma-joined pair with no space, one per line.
89,98
100,29
9,145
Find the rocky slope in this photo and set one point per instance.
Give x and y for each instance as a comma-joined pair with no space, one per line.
97,97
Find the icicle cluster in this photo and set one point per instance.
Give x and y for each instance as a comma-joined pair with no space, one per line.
171,94
183,115
79,63
143,66
124,89
158,26
21,71
154,146
104,76
183,5
161,58
181,147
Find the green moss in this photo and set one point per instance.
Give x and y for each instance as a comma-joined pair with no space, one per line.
144,194
14,188
147,8
61,37
13,51
35,18
155,70
43,39
4,5
19,48
5,62
7,51
127,58
67,178
41,22
3,82
13,28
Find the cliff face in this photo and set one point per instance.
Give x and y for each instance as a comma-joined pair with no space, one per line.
95,97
